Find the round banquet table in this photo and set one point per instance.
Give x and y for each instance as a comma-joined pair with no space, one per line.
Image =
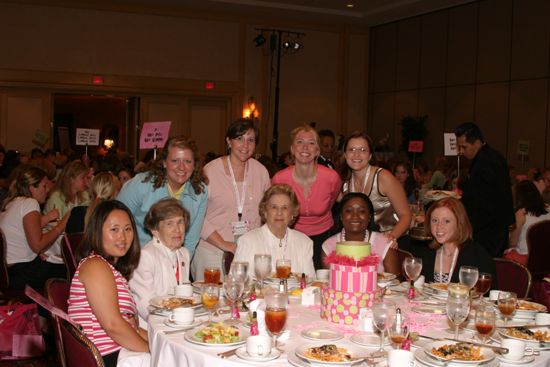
175,350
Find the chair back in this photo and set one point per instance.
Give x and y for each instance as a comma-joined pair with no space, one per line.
57,292
79,350
227,260
538,243
68,250
401,256
4,278
513,277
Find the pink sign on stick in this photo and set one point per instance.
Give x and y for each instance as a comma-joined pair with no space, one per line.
154,134
416,146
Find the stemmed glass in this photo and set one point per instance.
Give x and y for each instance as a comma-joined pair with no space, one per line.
483,283
283,268
468,275
275,313
398,335
262,267
233,289
507,304
485,321
383,316
210,296
458,308
412,266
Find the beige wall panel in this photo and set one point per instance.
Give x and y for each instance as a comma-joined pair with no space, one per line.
310,85
433,56
495,32
208,125
384,57
383,107
431,102
462,46
459,106
166,109
530,39
356,96
491,113
528,116
25,113
406,104
79,40
408,54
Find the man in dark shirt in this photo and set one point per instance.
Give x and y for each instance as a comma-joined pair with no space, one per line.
327,139
486,192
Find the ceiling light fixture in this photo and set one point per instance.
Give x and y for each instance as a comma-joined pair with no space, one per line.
259,40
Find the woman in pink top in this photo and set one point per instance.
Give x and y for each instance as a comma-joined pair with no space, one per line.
356,213
99,299
316,187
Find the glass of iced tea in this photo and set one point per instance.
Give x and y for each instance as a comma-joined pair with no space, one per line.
483,283
283,268
398,334
275,313
210,296
212,275
485,321
507,304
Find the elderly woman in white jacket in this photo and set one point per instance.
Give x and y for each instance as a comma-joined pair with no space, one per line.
278,209
164,262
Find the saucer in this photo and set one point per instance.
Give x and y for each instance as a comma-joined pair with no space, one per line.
175,325
525,359
243,354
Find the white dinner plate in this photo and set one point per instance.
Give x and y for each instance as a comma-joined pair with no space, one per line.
368,340
243,354
487,353
352,349
537,307
158,302
324,334
386,276
531,343
525,359
430,309
174,325
190,337
426,360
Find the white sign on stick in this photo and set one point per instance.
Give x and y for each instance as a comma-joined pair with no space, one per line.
449,140
87,136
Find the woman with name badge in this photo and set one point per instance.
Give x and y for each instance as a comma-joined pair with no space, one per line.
236,186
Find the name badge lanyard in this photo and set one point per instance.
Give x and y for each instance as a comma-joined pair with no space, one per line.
367,174
178,268
453,264
238,198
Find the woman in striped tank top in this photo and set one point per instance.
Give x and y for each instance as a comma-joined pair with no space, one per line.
100,300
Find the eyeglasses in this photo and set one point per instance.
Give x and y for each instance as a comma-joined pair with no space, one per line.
357,150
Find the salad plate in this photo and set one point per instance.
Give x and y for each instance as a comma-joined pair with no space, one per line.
368,340
325,334
243,354
217,334
175,325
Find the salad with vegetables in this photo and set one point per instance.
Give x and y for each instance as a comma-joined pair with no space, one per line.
218,333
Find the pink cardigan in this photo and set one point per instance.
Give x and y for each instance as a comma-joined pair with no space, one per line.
315,215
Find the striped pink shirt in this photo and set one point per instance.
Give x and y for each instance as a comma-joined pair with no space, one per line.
81,312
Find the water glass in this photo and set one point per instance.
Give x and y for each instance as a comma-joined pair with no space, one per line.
210,296
262,267
458,309
468,276
233,289
383,316
412,266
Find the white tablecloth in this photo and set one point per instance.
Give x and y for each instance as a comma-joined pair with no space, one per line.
174,350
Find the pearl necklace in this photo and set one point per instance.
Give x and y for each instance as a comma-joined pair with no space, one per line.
343,235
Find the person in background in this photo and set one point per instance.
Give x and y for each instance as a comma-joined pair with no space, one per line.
391,209
356,213
486,193
448,223
438,178
530,209
279,208
546,192
99,298
536,176
176,173
316,186
22,225
124,175
404,174
237,184
327,140
164,262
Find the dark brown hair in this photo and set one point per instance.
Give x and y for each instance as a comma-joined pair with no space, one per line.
345,171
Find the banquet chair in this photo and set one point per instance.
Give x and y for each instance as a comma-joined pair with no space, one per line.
513,277
57,292
79,350
69,245
538,243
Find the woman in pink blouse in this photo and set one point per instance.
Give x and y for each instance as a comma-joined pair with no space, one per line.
316,187
99,299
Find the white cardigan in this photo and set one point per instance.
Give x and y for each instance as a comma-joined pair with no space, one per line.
155,274
299,249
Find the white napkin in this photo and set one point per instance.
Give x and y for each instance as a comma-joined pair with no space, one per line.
258,305
419,282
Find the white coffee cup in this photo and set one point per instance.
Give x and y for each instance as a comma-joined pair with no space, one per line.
400,358
516,349
542,318
258,346
182,316
493,295
322,274
183,290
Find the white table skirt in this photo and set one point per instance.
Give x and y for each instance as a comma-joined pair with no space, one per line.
174,350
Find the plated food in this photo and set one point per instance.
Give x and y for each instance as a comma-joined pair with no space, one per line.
218,333
171,302
442,287
386,276
527,334
527,306
458,351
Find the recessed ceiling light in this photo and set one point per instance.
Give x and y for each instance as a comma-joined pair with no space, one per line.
350,5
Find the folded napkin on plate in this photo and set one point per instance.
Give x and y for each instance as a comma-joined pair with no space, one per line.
258,305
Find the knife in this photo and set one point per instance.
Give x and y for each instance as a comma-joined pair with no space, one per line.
499,350
529,326
228,353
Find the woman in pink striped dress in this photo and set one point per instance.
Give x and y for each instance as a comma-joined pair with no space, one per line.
100,300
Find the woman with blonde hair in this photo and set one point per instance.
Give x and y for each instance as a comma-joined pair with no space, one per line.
70,189
316,186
